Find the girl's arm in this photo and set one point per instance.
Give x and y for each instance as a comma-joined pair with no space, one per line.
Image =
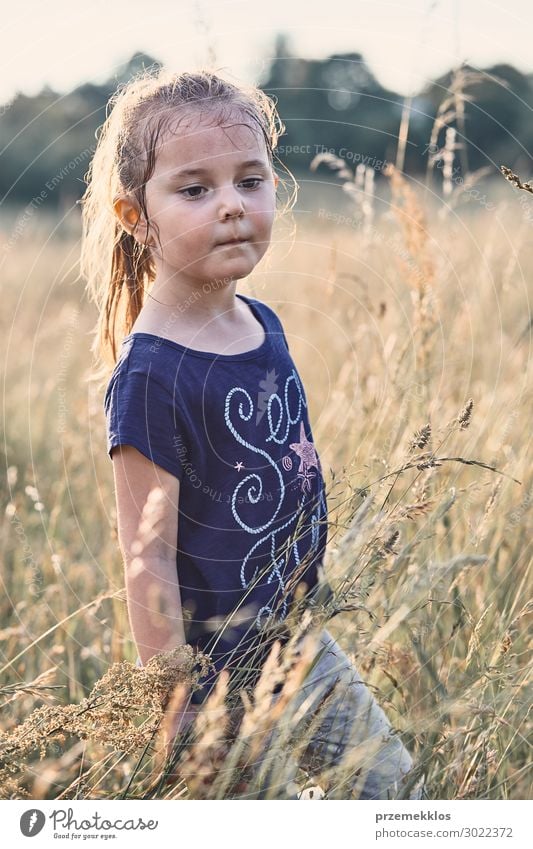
147,498
147,522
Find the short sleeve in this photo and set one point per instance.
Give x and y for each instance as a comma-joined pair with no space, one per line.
140,412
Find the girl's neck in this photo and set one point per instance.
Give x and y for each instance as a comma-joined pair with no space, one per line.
193,302
203,323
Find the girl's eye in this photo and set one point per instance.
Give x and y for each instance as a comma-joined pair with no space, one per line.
194,189
194,192
256,180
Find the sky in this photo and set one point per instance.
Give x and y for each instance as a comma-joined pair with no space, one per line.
62,44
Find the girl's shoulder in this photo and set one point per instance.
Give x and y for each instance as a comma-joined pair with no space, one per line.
135,364
269,316
267,311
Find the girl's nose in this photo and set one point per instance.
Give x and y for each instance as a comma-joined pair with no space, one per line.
231,202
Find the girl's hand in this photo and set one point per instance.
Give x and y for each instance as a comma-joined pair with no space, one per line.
177,720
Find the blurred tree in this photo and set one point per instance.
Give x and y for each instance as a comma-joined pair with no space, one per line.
497,106
47,141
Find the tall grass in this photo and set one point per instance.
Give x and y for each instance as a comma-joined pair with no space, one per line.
412,336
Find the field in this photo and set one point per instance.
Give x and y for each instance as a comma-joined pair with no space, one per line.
411,329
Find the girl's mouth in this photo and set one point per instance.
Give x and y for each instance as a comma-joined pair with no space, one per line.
232,242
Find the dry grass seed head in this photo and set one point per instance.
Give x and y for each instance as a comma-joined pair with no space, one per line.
466,414
420,438
124,696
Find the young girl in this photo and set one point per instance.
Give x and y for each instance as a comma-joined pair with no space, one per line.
204,405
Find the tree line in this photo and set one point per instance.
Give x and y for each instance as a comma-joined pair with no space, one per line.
334,105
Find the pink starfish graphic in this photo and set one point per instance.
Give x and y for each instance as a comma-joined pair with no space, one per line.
306,477
308,457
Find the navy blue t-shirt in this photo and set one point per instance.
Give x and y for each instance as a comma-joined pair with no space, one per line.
252,513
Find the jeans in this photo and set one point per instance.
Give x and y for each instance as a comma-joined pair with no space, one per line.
351,725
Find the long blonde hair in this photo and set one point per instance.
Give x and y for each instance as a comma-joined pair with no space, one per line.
117,268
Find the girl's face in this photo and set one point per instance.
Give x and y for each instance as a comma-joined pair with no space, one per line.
211,185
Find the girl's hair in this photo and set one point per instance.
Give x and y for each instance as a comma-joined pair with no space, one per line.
118,268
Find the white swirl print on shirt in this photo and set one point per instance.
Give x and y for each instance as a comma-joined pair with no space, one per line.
306,453
252,493
293,378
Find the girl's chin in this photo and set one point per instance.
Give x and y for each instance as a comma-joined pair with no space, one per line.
235,267
223,269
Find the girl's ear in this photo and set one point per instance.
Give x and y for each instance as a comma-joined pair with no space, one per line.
128,213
